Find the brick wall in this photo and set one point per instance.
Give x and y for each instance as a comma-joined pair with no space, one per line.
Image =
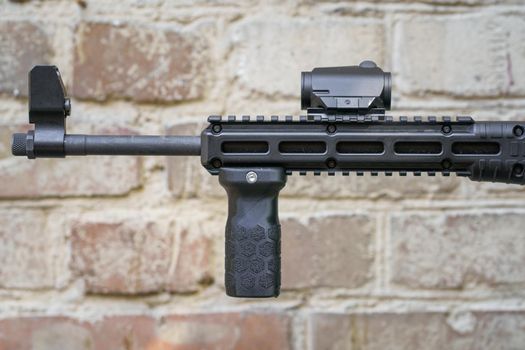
127,252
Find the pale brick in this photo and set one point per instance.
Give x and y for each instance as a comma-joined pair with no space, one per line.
269,53
226,331
470,55
26,249
412,331
457,250
186,175
143,63
369,186
23,44
50,333
136,255
73,176
328,251
135,332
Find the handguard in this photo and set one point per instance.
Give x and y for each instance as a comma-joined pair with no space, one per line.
345,131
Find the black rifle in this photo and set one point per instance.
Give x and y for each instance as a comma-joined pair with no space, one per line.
345,130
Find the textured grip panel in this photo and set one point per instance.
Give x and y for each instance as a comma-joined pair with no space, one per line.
18,148
253,234
253,261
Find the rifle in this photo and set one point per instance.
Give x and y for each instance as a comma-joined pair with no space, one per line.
344,130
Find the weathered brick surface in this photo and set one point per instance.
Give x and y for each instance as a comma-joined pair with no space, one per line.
143,63
138,255
422,330
227,331
457,250
23,44
26,250
482,53
369,186
186,176
74,176
328,251
262,63
191,331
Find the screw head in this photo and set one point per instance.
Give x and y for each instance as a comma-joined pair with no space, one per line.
217,128
446,164
216,163
331,163
518,170
331,128
251,177
518,131
447,129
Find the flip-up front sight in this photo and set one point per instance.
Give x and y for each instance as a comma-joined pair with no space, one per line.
48,108
363,89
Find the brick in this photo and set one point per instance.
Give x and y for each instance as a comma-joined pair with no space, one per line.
23,44
49,333
328,251
264,64
26,250
138,62
134,255
73,176
369,186
186,175
226,331
473,55
134,332
423,330
457,250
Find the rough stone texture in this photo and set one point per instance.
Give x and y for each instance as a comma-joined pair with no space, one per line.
457,250
186,176
421,330
483,54
136,332
302,44
137,255
329,251
143,63
369,186
23,44
74,176
26,249
226,331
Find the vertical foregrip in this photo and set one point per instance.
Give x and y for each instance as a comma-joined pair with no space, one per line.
253,233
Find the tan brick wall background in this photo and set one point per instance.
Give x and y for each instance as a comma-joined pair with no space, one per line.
127,252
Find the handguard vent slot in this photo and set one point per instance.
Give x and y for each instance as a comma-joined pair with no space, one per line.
473,148
360,147
244,147
309,147
418,147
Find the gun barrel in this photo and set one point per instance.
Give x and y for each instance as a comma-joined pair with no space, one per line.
125,145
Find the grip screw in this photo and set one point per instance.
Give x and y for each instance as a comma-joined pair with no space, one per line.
251,177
